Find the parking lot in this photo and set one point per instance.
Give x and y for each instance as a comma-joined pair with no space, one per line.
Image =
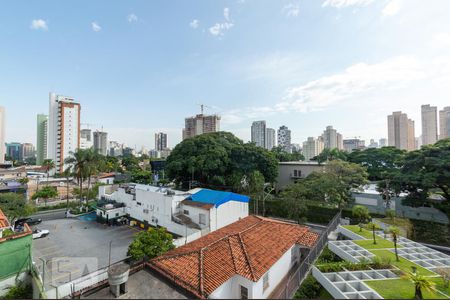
77,247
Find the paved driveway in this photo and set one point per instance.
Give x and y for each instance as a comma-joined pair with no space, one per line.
75,247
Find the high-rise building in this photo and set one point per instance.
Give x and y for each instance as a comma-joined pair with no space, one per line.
200,124
354,144
14,151
296,147
401,131
270,138
429,124
444,123
372,144
259,133
284,138
86,139
41,138
160,141
27,150
382,142
63,129
115,149
312,147
101,142
2,135
332,139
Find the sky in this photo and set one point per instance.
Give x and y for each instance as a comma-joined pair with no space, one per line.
139,67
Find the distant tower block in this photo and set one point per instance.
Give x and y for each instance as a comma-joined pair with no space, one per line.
117,278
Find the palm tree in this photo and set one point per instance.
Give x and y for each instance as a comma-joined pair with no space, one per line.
78,162
373,226
48,164
420,282
67,173
92,159
395,232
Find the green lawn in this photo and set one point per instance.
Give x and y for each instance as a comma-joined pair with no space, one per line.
404,289
356,229
381,244
403,264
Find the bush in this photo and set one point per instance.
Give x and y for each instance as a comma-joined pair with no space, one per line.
328,256
310,289
19,291
7,232
431,233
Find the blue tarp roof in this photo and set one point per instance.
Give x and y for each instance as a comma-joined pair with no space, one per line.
217,197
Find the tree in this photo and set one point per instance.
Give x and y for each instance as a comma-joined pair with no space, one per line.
141,176
294,198
282,155
45,193
77,161
361,213
219,160
390,214
330,154
15,206
67,173
420,283
150,244
374,227
24,180
48,165
395,232
445,275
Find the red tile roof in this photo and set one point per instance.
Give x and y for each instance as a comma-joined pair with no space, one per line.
248,247
106,175
3,220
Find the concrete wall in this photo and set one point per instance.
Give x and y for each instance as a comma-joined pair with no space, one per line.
5,284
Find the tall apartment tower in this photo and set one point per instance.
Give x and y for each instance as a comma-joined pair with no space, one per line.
382,143
401,131
200,124
312,147
101,142
270,138
259,133
160,141
444,123
332,139
63,129
284,138
41,138
2,135
86,139
429,125
27,150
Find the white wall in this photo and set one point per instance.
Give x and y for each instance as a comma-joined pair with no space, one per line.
108,180
227,213
194,214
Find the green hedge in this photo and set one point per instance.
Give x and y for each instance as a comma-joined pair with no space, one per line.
430,232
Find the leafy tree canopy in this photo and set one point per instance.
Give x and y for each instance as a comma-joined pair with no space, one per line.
150,244
219,160
282,155
15,206
46,192
330,154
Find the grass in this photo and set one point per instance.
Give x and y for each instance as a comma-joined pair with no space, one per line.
404,289
356,229
381,244
403,264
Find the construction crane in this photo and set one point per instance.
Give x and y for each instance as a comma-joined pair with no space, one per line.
202,107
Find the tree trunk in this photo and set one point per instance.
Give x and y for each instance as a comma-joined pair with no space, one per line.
67,200
395,246
419,293
81,190
374,240
89,189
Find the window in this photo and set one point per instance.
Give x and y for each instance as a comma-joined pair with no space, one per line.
202,219
138,203
117,214
186,212
295,173
299,173
265,281
244,292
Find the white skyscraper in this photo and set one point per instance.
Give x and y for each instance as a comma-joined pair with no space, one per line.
444,123
312,147
401,131
86,139
429,125
284,138
63,129
101,142
332,139
259,133
2,135
270,138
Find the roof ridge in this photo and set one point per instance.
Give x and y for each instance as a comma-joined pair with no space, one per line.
246,257
200,266
232,256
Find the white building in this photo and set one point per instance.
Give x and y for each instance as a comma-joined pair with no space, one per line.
101,142
259,133
312,147
63,129
2,135
401,132
187,214
270,138
444,123
354,144
284,138
86,139
248,259
332,139
429,124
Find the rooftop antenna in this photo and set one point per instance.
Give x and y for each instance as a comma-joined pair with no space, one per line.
202,107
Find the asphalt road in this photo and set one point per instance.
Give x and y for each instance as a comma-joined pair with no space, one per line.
50,215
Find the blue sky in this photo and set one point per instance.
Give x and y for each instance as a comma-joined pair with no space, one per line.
138,67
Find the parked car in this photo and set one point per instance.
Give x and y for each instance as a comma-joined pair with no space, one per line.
38,233
29,221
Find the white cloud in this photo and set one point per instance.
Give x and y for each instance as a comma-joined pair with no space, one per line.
95,27
440,40
345,3
39,24
194,24
392,8
292,9
132,18
219,28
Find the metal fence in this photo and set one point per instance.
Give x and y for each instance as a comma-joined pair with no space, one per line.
294,281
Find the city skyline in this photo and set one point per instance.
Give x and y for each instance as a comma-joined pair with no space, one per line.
174,60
